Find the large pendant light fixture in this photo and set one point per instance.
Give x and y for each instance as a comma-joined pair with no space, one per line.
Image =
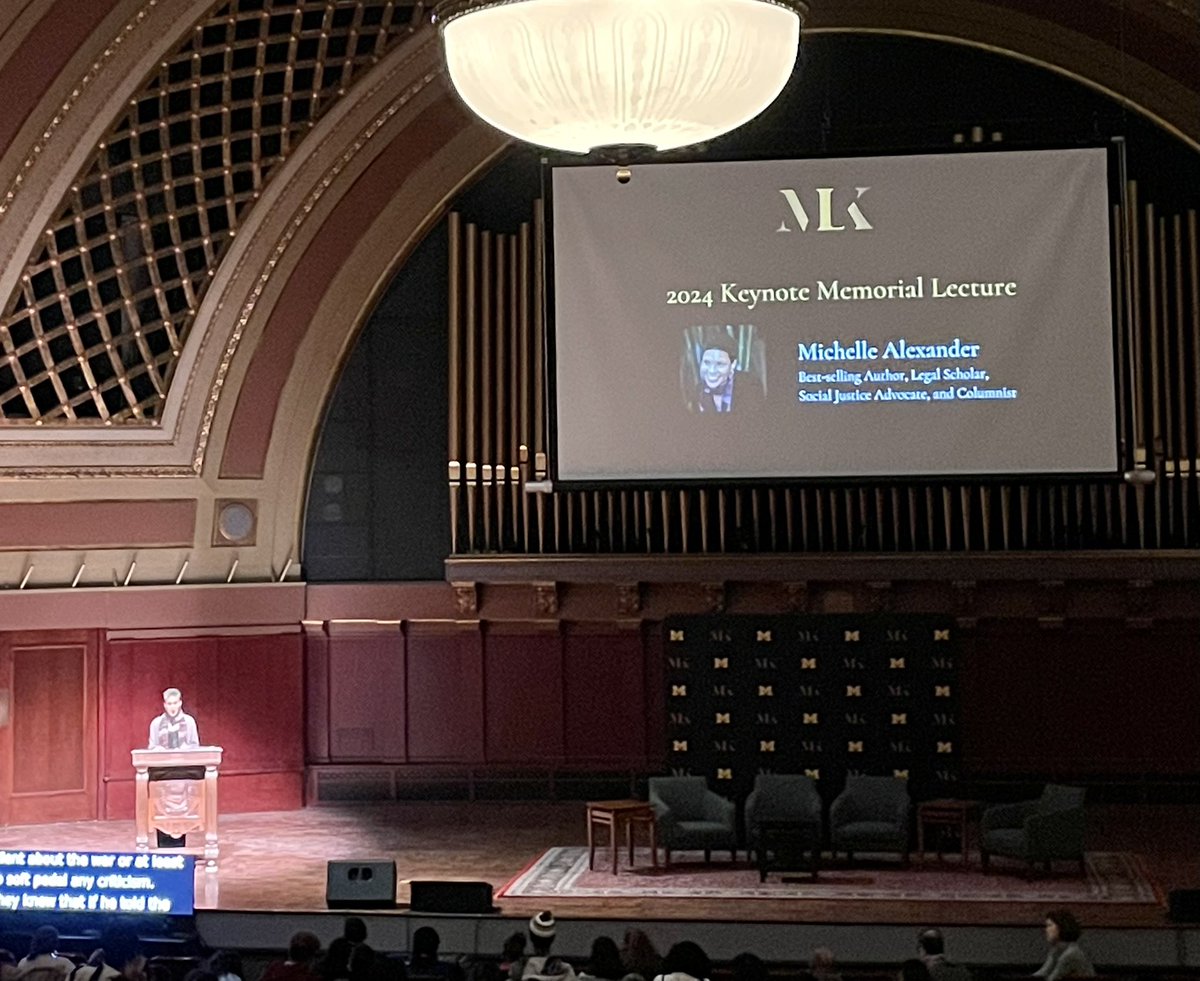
581,74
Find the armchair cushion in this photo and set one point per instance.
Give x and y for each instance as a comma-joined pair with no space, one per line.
871,814
1038,831
1006,841
719,810
1007,815
782,797
683,796
689,815
1058,798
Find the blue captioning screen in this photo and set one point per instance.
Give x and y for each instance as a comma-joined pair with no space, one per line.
48,881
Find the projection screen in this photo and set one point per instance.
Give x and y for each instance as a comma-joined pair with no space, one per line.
890,316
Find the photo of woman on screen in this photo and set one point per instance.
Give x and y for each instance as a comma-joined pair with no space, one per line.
722,369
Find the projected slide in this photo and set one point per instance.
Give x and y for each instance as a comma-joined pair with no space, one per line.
96,882
877,316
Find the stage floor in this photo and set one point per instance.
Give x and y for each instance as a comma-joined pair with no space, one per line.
276,862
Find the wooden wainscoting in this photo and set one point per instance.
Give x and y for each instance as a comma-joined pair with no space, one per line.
48,745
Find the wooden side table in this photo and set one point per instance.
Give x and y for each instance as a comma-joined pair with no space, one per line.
616,814
945,813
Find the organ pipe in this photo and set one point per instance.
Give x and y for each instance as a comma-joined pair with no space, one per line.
497,437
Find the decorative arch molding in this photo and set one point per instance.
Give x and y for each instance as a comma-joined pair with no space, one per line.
49,141
401,88
290,299
282,454
269,418
333,225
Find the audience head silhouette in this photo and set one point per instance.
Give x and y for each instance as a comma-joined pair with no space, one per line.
43,941
749,967
513,947
687,958
821,963
1062,927
303,947
605,960
425,944
639,955
354,930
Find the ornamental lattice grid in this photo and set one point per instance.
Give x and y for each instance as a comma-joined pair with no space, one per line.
96,326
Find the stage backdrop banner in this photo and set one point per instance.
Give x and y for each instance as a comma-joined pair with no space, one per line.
826,696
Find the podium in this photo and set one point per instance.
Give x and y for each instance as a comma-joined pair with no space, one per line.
177,794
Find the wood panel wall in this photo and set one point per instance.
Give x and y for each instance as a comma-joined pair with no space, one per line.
246,694
1095,698
48,751
1069,679
508,693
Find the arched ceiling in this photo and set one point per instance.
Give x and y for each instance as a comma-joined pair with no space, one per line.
335,222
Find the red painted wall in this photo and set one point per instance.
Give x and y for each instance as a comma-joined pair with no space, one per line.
246,694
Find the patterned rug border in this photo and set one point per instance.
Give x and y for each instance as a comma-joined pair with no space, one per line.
1112,878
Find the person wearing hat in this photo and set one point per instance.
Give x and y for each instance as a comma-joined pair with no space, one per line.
542,965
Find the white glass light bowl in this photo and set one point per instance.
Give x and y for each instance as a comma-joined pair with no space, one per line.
581,74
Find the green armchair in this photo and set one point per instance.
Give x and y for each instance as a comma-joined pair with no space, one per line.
782,797
783,822
1040,830
870,815
690,816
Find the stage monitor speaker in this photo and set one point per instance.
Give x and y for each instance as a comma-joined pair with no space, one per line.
362,884
1183,905
436,896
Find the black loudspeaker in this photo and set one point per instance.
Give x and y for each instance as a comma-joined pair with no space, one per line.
1183,905
362,884
435,896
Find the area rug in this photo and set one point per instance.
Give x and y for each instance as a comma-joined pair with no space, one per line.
1112,877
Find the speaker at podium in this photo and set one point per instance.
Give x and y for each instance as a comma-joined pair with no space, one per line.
360,884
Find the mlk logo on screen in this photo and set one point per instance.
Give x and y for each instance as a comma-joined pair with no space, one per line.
825,209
